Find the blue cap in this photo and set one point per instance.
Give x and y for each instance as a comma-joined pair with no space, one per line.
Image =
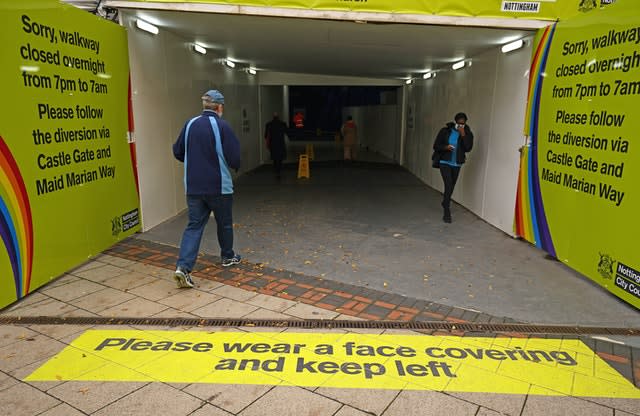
214,96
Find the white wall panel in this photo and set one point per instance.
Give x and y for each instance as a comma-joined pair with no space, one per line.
168,79
378,128
492,91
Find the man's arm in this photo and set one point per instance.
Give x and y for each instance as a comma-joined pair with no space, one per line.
230,147
178,146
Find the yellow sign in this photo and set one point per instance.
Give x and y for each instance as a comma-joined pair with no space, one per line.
578,196
526,9
303,167
411,362
67,186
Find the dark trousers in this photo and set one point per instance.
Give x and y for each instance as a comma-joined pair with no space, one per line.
449,177
277,166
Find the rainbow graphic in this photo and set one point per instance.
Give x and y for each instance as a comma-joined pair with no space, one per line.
530,220
16,223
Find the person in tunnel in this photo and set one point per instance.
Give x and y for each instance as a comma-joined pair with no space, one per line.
349,133
453,142
274,133
208,148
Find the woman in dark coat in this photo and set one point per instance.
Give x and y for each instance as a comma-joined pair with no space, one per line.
450,148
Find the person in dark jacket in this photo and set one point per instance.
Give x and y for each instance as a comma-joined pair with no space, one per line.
274,132
209,150
450,148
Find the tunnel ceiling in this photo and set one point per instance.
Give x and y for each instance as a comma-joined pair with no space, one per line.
330,47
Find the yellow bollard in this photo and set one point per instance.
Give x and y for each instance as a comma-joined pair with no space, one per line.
303,167
309,151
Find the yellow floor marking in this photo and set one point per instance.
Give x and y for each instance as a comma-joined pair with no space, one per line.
417,362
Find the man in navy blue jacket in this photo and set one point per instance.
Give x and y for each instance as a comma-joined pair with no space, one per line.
209,149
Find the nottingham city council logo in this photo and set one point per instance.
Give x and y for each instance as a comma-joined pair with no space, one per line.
586,5
605,266
116,226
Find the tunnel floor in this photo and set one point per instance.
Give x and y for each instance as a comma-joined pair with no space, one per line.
376,226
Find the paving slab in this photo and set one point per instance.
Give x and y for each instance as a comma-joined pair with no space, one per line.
153,399
62,409
34,348
100,273
189,300
6,381
630,406
304,311
208,410
230,397
350,411
156,290
128,281
366,400
225,307
72,290
507,404
92,396
24,400
100,300
134,307
427,403
271,302
234,293
291,401
563,406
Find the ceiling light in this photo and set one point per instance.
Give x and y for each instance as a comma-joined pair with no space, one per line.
199,49
409,81
252,71
428,75
229,63
458,65
147,27
512,46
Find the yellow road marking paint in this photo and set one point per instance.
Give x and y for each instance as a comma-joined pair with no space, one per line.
415,362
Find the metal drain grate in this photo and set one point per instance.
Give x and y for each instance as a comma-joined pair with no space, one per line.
323,324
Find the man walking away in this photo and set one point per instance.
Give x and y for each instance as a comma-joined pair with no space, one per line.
209,149
274,135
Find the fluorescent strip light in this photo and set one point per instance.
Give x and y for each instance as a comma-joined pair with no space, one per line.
199,49
252,71
147,27
458,65
229,63
512,46
428,75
